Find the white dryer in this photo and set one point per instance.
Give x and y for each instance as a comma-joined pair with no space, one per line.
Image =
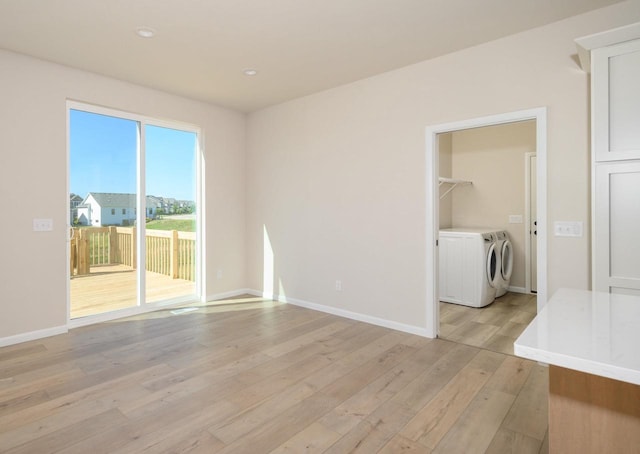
505,262
468,271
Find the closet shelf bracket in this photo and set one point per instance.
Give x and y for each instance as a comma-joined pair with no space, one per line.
453,182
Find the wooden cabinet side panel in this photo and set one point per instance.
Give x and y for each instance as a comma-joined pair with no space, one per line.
592,414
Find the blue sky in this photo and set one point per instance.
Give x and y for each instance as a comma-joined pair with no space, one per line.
103,157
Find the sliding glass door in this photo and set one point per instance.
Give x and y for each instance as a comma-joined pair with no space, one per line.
133,210
170,238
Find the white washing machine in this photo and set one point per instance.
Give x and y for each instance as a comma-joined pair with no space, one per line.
505,262
468,271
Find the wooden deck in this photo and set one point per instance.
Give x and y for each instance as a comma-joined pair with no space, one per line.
112,287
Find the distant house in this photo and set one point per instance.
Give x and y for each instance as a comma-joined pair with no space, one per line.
187,204
107,208
74,201
169,205
154,202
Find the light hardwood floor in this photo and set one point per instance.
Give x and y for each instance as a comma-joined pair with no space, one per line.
264,377
494,327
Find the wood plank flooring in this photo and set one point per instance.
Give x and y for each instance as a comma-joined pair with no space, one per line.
264,378
494,327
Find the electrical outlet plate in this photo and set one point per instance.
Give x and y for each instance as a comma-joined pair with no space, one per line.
515,219
568,228
42,225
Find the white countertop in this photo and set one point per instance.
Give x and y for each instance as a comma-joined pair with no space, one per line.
593,332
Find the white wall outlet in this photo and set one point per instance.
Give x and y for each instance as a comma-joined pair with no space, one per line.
567,228
515,219
42,225
339,286
219,274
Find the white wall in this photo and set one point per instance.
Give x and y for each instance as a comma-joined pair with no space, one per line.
337,178
493,158
33,183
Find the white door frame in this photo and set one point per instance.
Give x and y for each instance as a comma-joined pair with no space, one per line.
527,220
433,202
143,307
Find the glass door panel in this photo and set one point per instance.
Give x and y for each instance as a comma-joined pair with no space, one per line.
171,206
103,154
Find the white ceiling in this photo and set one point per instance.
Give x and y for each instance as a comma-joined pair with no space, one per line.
299,47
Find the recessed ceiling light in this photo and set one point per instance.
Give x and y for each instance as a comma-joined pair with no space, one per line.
250,72
145,32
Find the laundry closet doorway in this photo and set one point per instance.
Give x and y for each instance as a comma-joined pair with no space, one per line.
491,151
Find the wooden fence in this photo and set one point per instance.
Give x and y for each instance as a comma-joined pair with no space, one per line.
168,252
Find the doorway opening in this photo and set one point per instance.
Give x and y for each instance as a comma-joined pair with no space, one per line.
134,218
434,134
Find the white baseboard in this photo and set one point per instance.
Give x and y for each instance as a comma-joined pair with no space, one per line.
32,335
419,331
517,290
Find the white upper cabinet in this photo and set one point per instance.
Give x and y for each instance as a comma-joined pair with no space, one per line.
616,101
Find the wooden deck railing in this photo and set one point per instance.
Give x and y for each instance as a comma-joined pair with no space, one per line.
168,252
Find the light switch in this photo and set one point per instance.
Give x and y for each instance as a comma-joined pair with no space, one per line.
42,225
567,228
515,219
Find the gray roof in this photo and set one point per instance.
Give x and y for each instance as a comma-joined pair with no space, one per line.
154,199
116,200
